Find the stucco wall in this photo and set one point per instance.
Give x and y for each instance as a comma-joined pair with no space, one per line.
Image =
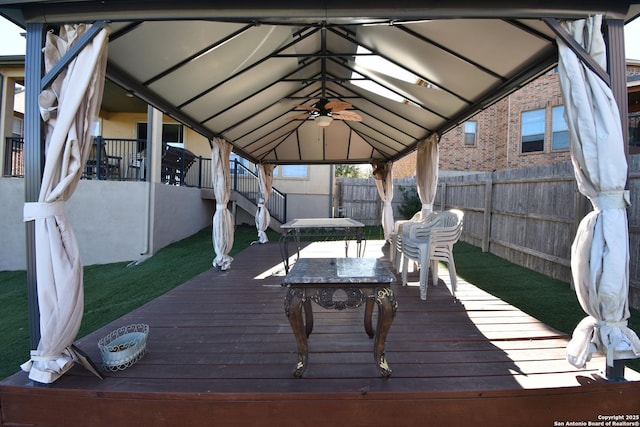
308,206
109,220
317,182
12,230
179,212
124,125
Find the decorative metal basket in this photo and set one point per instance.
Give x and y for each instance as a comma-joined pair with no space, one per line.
123,347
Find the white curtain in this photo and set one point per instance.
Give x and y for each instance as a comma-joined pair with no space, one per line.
383,174
427,172
600,251
265,183
69,108
223,226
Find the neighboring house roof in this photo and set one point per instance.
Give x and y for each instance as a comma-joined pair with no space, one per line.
239,72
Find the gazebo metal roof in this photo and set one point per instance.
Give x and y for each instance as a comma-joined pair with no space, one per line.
239,70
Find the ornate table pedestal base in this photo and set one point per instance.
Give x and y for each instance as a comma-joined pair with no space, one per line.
340,297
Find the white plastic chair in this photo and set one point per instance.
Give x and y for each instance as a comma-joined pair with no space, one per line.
430,242
395,254
403,227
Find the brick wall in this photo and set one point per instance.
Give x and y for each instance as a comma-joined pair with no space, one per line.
498,138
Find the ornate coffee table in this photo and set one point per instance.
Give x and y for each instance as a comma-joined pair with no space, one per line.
340,283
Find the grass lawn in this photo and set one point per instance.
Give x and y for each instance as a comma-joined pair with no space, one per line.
112,290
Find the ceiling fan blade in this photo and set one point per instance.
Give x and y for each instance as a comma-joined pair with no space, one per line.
347,115
307,108
303,116
336,106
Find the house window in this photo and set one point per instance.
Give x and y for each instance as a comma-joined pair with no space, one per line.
291,171
470,132
532,131
559,129
171,134
17,128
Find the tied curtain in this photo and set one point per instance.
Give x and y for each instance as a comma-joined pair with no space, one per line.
69,108
223,226
383,174
265,184
427,173
600,251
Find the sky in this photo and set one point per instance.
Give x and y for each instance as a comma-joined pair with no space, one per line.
12,43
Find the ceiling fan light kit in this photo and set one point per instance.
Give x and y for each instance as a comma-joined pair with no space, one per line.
323,121
324,112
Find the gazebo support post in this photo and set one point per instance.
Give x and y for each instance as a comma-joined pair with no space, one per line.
614,39
34,164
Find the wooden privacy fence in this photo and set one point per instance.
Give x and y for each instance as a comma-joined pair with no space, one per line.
528,216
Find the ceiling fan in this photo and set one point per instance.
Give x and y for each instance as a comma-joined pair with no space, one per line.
324,112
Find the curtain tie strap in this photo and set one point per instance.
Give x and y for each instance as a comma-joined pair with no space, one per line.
622,324
221,206
40,210
428,206
611,200
37,357
614,341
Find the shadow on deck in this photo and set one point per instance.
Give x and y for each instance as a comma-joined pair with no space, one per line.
221,352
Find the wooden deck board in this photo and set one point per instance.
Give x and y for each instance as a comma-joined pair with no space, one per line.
220,348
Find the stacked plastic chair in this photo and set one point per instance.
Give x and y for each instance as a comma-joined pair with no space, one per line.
395,254
429,242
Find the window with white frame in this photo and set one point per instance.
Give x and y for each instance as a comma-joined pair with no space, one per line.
17,127
470,132
291,171
532,131
559,129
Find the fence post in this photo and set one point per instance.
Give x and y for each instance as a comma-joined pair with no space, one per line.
486,236
199,171
443,197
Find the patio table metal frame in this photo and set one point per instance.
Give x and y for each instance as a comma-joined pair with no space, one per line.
321,228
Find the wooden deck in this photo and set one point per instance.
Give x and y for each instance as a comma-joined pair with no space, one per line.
221,352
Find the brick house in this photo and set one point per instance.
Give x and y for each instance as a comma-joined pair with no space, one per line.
493,139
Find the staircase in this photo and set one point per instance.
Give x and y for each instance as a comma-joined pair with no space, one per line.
246,192
250,206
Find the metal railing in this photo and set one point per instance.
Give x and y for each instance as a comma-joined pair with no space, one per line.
117,159
13,157
245,182
634,129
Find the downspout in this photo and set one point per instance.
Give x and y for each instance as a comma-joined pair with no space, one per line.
153,154
331,172
147,205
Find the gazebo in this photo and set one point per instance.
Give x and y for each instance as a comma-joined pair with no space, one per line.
289,83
